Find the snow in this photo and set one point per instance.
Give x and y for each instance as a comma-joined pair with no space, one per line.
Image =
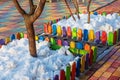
99,22
17,64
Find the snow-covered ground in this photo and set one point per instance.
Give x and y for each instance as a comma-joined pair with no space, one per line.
17,64
99,22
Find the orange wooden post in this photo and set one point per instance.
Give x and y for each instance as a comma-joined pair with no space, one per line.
45,28
87,47
47,39
79,34
18,36
49,29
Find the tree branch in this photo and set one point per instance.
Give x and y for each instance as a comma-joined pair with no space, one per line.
76,5
88,10
32,7
38,10
70,10
17,5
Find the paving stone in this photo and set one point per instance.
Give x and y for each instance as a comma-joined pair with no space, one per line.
103,78
111,69
113,78
106,74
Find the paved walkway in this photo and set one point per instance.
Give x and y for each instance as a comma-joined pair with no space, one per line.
106,69
11,21
114,7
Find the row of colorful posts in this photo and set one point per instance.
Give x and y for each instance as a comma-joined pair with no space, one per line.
83,35
87,54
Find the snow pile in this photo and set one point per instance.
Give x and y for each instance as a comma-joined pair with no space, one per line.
107,23
17,64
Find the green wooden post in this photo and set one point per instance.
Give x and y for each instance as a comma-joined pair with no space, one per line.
94,48
68,72
110,38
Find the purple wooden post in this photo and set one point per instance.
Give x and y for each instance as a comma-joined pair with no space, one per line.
64,31
97,40
2,42
65,43
56,77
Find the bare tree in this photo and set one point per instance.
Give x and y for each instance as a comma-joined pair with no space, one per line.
29,19
76,5
70,10
88,10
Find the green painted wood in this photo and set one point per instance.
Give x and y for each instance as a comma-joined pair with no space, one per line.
110,38
68,72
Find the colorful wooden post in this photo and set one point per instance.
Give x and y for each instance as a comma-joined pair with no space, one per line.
47,39
104,37
79,34
12,37
78,66
52,41
69,32
59,42
73,71
36,38
97,39
68,72
62,74
56,77
49,29
118,34
85,35
91,35
59,31
115,37
25,35
54,29
74,33
64,32
87,47
83,52
104,13
18,35
94,48
87,61
82,64
95,13
41,38
21,34
79,45
110,38
72,44
2,42
65,43
90,57
7,40
45,28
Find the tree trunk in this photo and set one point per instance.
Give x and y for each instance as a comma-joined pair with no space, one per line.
88,16
31,38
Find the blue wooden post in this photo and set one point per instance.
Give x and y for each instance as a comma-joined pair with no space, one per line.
85,35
